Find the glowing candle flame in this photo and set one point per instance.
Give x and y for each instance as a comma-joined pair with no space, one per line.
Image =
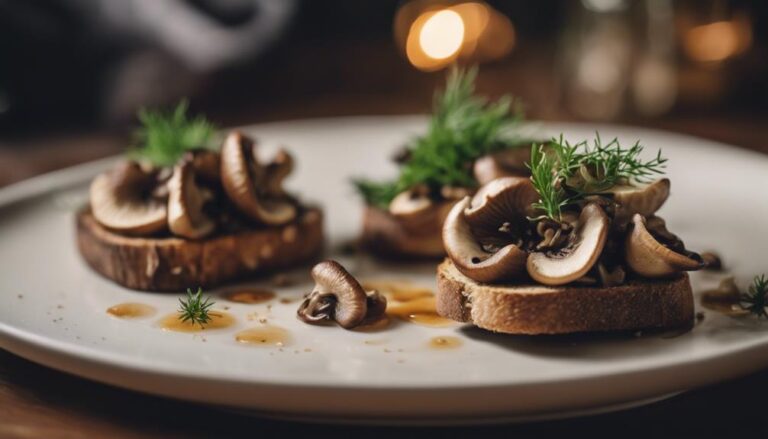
442,35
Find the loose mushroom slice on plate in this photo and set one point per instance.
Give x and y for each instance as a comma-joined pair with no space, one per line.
468,255
338,296
243,179
645,199
578,256
121,200
185,205
647,255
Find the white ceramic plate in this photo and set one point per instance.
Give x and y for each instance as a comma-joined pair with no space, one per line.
52,306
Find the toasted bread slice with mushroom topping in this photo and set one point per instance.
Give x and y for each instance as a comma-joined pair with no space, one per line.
539,309
174,264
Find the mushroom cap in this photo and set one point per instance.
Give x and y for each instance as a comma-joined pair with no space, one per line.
645,200
351,300
277,170
573,262
505,163
647,257
418,214
470,258
241,176
505,199
121,201
206,164
185,204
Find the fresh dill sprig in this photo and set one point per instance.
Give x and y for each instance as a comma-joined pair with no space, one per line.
165,136
563,173
547,181
756,300
463,127
194,308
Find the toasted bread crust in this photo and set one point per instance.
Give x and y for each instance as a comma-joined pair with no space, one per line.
174,264
537,309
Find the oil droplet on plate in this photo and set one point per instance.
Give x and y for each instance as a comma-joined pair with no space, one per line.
219,320
399,291
264,336
445,342
131,310
249,295
420,311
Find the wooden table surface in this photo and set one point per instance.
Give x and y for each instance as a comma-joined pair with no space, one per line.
36,402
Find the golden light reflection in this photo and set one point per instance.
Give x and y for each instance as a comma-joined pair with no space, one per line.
442,34
718,41
435,35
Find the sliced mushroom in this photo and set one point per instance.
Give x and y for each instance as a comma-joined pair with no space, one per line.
276,171
645,200
471,258
243,181
509,162
206,165
185,204
121,200
417,212
647,256
578,256
503,200
339,296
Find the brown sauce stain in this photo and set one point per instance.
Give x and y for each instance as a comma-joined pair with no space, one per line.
399,291
289,300
219,320
420,311
264,336
131,310
445,342
249,296
409,302
731,309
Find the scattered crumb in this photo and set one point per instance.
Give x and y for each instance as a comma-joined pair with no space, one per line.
401,350
269,307
226,307
700,316
59,306
263,320
401,361
387,350
296,351
638,334
280,349
20,296
279,343
307,350
77,337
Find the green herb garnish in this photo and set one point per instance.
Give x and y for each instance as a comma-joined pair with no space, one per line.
756,300
165,136
195,308
463,127
564,173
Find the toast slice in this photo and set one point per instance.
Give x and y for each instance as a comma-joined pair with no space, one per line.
539,309
175,264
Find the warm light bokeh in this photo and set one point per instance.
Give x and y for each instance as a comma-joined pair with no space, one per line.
442,34
718,41
434,36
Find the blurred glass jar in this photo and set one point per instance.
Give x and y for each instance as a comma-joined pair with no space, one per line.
618,57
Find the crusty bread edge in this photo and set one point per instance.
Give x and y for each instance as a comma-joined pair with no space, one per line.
535,309
174,264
